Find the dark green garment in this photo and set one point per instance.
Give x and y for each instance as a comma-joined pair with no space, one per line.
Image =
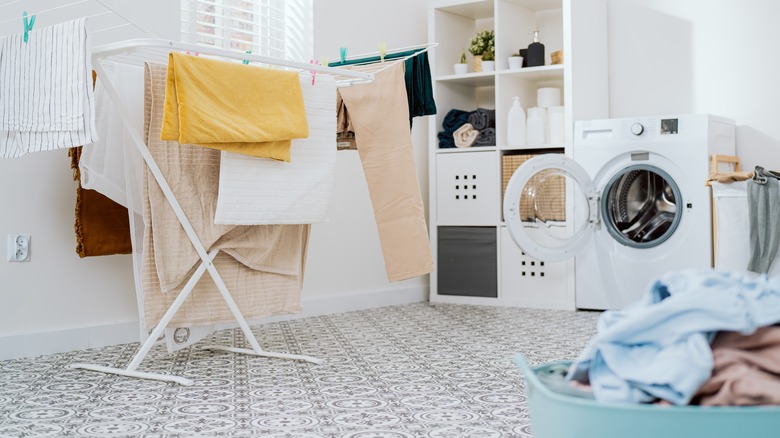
417,75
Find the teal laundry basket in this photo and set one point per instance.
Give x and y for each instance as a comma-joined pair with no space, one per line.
555,415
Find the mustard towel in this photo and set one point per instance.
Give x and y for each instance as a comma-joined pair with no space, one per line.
228,106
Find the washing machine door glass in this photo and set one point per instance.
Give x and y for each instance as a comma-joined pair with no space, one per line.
550,207
641,206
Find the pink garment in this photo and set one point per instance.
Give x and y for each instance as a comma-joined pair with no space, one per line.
746,370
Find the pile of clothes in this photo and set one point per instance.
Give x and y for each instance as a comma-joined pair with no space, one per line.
698,337
465,129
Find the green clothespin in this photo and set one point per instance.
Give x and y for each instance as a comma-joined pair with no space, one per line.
28,24
245,62
382,51
343,54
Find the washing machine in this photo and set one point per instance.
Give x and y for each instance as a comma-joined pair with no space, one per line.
636,203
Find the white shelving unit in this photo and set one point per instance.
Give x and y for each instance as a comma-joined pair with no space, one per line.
477,262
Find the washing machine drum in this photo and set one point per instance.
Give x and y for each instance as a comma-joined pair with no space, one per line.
552,207
640,206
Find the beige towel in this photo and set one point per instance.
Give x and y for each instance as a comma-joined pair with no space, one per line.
266,281
380,116
465,136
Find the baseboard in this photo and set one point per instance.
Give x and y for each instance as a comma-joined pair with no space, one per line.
329,305
61,341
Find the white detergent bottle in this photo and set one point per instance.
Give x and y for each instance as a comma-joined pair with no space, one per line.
515,135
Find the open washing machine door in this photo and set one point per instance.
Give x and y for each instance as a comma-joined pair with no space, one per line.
551,207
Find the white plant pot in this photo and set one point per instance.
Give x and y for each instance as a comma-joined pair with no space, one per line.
515,62
461,69
488,65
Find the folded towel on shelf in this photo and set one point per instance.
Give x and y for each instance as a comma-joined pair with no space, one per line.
453,120
482,119
262,266
486,137
46,99
465,136
258,191
217,104
446,140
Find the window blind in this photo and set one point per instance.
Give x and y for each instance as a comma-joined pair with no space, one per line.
276,28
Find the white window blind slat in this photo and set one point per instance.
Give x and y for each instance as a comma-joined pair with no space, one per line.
276,28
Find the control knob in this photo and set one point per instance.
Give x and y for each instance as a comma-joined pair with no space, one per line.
637,129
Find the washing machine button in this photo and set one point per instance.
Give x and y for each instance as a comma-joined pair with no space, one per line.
637,129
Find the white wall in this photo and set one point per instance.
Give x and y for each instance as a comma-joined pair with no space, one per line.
703,56
58,296
57,291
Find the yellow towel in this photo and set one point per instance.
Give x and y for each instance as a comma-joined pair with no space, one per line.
232,107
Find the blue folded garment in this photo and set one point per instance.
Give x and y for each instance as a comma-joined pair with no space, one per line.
446,140
454,119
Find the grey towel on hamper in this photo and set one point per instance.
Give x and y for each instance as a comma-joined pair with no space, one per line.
764,220
483,118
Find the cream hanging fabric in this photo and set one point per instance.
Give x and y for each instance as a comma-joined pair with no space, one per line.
380,115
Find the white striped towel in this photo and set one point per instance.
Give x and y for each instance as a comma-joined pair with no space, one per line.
255,191
46,97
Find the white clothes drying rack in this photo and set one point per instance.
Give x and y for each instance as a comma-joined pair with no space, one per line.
136,52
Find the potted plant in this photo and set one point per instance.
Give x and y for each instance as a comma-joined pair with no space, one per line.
462,67
483,48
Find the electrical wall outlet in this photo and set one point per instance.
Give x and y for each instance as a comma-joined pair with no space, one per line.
18,247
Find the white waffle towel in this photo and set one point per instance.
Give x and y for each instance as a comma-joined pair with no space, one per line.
255,191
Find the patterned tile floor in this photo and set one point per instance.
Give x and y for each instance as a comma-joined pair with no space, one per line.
417,370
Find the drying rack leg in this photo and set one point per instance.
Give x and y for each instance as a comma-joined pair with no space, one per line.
250,337
264,353
130,371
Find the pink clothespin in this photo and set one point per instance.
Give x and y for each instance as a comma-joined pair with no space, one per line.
313,72
192,53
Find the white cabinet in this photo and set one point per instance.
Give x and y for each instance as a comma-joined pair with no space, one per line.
467,184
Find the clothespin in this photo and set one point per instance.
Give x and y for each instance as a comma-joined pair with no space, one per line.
324,60
28,24
313,72
343,54
245,62
382,51
193,53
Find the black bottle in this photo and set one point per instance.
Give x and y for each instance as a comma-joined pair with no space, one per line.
535,52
